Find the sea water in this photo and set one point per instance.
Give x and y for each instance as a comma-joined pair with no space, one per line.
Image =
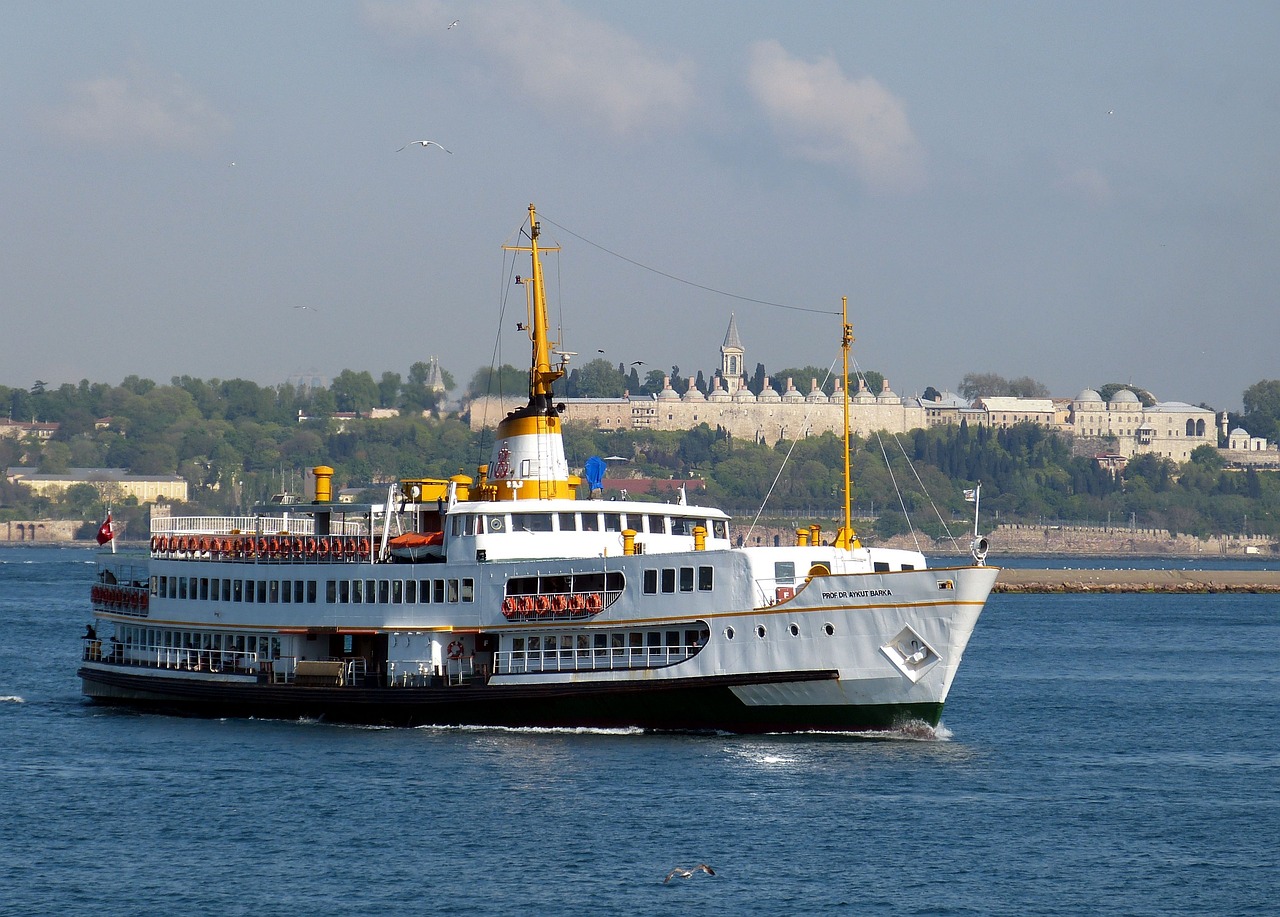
1100,755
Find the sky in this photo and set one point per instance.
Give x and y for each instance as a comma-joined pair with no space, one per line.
1081,193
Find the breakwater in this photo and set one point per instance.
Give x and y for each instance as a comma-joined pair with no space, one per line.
1115,581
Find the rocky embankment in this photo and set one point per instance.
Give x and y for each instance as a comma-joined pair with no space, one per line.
1108,581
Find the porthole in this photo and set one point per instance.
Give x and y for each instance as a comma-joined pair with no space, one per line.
496,523
830,629
760,631
728,633
795,630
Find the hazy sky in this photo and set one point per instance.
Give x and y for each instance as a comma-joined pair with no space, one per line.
1077,192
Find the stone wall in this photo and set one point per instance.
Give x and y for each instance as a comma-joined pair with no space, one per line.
39,530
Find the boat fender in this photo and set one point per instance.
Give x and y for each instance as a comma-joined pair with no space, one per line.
455,649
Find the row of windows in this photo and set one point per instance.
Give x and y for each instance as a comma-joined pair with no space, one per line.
136,635
650,523
669,578
305,591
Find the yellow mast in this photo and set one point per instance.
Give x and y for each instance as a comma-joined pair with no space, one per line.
847,538
543,376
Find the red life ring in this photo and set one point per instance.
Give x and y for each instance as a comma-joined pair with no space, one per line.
544,604
262,545
578,601
155,543
204,544
560,602
363,547
455,649
508,607
322,547
337,548
309,545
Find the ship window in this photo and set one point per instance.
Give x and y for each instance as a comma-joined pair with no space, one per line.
437,590
468,590
456,526
635,640
784,572
655,642
424,590
880,567
829,629
453,590
357,591
469,524
262,591
370,595
330,591
728,632
311,591
686,579
204,589
613,522
496,524
668,579
614,581
286,591
411,590
720,529
182,587
162,584
226,590
248,590
531,522
760,631
617,643
397,592
795,630
650,582
567,522
681,526
237,591
591,522
704,579
384,591
657,525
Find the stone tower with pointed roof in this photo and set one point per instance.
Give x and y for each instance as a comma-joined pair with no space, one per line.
732,357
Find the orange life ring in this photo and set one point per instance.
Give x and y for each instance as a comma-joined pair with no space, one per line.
337,549
364,547
204,544
455,649
322,547
594,602
544,604
577,601
508,607
180,543
155,543
262,545
560,602
309,545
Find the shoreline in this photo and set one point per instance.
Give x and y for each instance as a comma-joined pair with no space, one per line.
1041,582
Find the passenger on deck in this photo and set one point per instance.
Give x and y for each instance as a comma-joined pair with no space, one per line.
90,633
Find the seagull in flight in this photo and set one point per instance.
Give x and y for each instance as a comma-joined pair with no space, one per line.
685,873
452,24
422,143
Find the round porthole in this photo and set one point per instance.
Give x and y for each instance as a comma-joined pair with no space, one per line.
830,629
496,523
795,630
760,631
728,633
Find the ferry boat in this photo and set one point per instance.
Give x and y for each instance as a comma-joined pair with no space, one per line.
519,598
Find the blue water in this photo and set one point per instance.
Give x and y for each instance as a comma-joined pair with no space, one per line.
1102,755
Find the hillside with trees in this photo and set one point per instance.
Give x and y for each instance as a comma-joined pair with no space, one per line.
236,443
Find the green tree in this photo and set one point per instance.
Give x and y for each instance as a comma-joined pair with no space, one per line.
355,392
600,379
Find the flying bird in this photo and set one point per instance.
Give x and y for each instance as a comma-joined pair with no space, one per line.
422,143
637,362
685,873
452,24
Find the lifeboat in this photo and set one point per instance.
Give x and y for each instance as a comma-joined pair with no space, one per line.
417,546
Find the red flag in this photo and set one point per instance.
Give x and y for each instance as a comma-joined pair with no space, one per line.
105,532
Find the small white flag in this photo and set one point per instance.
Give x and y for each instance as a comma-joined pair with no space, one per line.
971,496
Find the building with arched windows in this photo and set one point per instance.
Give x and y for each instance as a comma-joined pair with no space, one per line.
1173,429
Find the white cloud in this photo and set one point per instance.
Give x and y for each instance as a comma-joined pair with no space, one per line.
565,61
823,116
140,108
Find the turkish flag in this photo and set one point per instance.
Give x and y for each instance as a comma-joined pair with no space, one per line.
105,532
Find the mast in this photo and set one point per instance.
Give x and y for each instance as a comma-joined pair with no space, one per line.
847,538
528,461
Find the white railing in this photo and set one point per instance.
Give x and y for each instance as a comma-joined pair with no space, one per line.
597,659
249,525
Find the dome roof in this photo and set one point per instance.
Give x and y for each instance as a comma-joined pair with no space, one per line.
1239,431
1089,395
1124,396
